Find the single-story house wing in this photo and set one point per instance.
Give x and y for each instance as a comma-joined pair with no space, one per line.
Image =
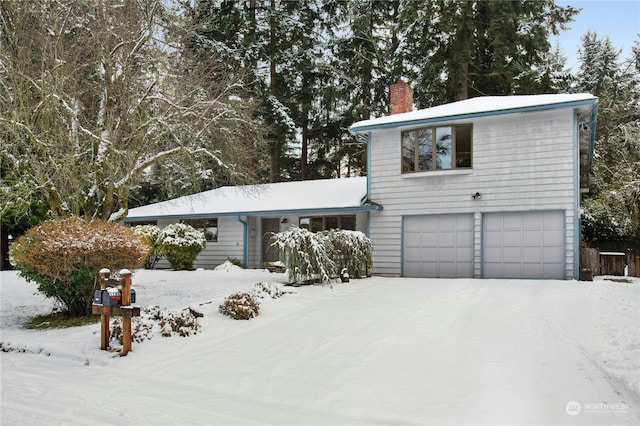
238,220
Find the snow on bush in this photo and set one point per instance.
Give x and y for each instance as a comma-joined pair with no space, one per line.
272,290
181,243
240,306
320,256
353,251
308,255
151,234
227,266
156,320
63,256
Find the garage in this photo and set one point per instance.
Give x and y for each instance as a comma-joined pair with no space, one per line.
438,246
523,245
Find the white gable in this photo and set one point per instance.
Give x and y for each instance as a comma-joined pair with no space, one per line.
324,194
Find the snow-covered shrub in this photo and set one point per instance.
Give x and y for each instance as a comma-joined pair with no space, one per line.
353,250
63,256
236,262
151,234
181,243
154,320
323,255
273,290
240,306
308,255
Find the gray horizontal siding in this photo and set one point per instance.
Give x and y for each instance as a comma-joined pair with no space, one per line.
521,162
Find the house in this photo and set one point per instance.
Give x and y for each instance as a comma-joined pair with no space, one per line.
488,187
238,221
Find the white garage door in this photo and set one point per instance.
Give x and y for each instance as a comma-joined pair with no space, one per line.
523,245
438,246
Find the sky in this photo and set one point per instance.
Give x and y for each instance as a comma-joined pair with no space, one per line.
618,19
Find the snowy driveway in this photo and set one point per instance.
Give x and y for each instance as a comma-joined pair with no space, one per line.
373,351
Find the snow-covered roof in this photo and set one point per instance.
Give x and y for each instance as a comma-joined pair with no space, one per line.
477,107
347,194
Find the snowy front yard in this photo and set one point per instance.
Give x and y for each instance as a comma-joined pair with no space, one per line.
372,351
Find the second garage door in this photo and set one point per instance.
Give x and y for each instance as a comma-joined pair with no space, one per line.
438,246
523,245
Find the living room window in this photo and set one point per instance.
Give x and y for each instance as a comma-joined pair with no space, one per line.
323,223
436,148
209,226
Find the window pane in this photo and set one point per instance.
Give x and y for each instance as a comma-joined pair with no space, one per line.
463,146
304,222
317,224
408,151
443,145
211,229
348,223
425,147
332,222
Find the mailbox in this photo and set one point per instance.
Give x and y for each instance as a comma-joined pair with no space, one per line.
111,296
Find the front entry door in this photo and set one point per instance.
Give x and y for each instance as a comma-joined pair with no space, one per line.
269,227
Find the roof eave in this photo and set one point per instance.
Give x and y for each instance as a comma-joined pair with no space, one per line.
350,209
355,130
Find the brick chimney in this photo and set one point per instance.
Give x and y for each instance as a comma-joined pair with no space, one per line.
401,98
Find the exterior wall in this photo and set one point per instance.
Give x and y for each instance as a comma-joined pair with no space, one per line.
256,232
521,162
229,244
231,239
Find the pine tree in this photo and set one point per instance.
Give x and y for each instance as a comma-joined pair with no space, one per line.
612,209
459,49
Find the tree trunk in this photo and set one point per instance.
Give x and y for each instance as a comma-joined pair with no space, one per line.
304,163
274,172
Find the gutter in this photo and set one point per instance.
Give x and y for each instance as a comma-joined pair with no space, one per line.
366,206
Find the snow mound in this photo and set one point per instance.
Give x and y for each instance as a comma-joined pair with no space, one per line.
227,266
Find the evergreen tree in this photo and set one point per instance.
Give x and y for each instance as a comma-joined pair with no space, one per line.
460,49
612,209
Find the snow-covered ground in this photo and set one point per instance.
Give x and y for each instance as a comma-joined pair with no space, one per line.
391,351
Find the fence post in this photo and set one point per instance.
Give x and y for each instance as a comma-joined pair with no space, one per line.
104,315
126,311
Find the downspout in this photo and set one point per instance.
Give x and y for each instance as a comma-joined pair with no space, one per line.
593,122
578,219
365,139
245,245
577,225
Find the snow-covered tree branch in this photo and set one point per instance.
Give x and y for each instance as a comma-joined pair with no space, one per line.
91,98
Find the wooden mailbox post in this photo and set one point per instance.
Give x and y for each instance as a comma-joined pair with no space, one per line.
124,309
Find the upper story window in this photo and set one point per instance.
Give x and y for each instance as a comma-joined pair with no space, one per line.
436,148
209,226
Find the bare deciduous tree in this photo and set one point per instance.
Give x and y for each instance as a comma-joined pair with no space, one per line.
92,94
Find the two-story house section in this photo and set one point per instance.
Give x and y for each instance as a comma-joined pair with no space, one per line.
488,187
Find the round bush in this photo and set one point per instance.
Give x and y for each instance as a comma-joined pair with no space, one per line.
240,306
63,256
181,243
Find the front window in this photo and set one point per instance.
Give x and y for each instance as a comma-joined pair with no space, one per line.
324,223
436,148
209,226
